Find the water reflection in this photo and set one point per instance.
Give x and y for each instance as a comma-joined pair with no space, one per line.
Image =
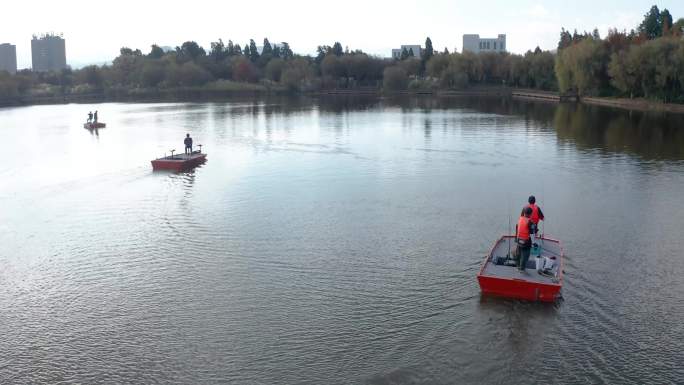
652,136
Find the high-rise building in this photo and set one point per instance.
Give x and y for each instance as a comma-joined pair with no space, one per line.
474,43
48,53
8,58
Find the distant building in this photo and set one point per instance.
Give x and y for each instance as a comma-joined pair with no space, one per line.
48,53
474,43
396,53
8,58
260,48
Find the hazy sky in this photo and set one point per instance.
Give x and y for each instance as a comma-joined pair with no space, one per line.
94,30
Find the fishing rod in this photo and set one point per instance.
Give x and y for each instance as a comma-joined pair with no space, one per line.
508,209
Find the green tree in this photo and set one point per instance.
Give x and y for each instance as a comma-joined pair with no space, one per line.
652,26
253,52
436,65
218,50
337,49
333,67
155,52
189,50
583,67
286,52
565,39
394,79
321,52
243,70
274,69
267,50
623,75
678,27
412,66
666,22
129,52
91,75
187,74
429,51
298,75
153,73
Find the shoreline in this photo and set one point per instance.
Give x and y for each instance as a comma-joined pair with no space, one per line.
190,94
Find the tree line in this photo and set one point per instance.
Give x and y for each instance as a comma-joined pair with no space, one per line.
645,62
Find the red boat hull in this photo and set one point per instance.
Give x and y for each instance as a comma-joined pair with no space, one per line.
92,126
527,286
518,288
178,163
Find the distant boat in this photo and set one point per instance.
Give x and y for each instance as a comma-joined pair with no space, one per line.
499,274
179,162
92,126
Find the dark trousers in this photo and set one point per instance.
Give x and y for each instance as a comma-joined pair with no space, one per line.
188,149
523,254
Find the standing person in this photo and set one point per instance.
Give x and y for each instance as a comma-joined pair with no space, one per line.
536,215
522,238
95,117
188,144
90,116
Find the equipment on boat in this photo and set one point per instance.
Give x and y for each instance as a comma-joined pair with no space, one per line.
542,279
179,162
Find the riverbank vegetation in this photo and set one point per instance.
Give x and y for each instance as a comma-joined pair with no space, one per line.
647,62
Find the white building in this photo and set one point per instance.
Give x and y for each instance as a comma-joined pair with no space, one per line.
396,53
474,43
8,58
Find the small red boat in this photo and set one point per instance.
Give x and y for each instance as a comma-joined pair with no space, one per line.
541,280
92,126
179,162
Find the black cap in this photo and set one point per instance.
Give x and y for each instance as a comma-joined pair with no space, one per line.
528,210
531,199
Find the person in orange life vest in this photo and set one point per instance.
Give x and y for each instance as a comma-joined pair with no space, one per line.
522,237
536,215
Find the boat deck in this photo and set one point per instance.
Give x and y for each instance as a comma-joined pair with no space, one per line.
183,157
547,248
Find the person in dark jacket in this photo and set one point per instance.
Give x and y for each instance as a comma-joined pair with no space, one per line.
188,144
90,116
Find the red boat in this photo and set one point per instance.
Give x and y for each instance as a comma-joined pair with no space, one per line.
179,162
541,280
92,126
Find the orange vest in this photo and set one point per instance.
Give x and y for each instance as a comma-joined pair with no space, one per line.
523,229
535,213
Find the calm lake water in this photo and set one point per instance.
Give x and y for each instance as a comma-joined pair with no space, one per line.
336,241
